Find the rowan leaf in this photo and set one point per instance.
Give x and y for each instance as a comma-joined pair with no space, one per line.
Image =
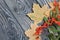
52,29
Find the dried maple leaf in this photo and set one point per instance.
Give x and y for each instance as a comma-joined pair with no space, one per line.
39,13
31,31
37,16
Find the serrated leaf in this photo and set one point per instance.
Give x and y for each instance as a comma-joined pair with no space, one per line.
38,13
51,13
45,19
58,28
57,10
51,37
52,29
29,33
58,37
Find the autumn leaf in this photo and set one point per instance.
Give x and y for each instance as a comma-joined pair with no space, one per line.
37,16
29,33
38,13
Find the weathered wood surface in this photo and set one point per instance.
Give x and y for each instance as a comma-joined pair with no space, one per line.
13,19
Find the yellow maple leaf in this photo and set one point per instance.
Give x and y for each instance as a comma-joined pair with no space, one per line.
37,16
31,31
39,13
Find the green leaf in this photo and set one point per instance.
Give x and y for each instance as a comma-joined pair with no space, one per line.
58,28
58,37
45,18
51,36
57,10
51,13
52,29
